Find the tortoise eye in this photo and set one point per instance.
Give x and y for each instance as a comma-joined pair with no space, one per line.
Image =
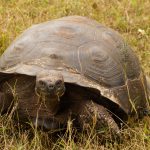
42,83
58,83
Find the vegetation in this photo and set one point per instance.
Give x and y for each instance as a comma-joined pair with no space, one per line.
130,17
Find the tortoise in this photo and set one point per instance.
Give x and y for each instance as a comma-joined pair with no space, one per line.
72,66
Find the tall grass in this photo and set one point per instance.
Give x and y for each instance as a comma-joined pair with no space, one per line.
130,17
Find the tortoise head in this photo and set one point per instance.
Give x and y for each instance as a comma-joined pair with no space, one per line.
50,84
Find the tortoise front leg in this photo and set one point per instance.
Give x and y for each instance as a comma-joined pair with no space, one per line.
6,100
96,116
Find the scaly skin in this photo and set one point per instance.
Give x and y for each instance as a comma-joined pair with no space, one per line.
94,115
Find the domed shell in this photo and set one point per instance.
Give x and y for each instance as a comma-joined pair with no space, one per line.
86,53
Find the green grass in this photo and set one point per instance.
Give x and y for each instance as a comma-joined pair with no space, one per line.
130,17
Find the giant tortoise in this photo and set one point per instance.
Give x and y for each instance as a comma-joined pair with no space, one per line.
72,66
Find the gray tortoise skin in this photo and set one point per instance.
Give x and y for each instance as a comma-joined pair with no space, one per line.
100,75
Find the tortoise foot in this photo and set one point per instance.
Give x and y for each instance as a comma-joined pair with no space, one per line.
94,116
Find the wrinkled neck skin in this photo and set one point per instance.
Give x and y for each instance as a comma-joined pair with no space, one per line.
50,102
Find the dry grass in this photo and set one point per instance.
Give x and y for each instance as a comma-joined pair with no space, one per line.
130,17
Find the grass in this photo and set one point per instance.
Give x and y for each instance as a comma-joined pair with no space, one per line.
130,17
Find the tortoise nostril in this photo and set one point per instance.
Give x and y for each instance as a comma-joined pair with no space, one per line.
51,87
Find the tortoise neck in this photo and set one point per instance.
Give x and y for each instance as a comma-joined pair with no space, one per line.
51,103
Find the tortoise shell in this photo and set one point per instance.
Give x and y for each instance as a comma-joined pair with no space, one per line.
86,53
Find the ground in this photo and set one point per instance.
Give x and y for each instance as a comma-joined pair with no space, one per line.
131,18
